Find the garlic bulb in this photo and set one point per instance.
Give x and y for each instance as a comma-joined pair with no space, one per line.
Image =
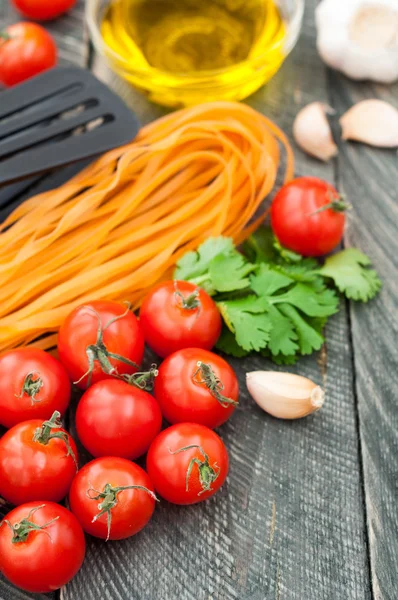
359,37
284,395
372,122
312,132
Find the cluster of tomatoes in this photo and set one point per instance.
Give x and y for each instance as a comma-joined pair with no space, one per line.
100,346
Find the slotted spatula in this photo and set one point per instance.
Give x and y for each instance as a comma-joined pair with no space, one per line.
57,118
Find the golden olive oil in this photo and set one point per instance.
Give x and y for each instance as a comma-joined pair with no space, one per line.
187,51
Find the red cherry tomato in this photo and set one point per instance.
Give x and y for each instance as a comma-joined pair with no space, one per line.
178,314
116,418
43,10
38,461
196,386
100,339
112,498
187,463
33,385
26,49
307,216
42,546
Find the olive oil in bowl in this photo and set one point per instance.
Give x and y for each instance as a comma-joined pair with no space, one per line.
190,51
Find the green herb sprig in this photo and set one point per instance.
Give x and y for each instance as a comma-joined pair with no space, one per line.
274,301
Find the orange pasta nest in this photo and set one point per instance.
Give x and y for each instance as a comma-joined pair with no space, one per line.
121,224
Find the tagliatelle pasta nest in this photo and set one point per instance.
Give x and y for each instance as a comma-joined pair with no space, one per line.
120,226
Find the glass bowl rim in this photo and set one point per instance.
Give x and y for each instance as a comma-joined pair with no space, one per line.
293,31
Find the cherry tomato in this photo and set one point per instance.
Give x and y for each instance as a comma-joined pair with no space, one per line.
98,340
116,418
307,216
43,10
33,385
187,463
197,386
178,314
38,461
113,498
42,546
26,49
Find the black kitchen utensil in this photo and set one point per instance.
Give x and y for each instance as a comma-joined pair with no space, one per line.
57,118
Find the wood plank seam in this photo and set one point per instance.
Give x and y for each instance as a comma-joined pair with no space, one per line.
360,451
349,306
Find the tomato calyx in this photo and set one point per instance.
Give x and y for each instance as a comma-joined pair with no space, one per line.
98,352
31,386
143,380
336,204
109,499
21,530
207,473
4,36
190,302
44,434
204,375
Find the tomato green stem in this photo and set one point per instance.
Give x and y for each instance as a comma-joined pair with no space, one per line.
21,530
143,380
336,204
4,36
98,352
44,434
204,375
31,386
109,499
191,302
207,473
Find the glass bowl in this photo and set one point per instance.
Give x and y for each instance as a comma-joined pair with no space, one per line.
186,88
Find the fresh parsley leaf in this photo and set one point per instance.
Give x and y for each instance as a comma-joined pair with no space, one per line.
247,319
229,272
287,255
267,281
283,337
280,359
227,343
259,248
274,301
195,264
286,331
306,270
351,275
310,301
317,323
308,338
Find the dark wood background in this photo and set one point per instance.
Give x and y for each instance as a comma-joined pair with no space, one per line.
309,510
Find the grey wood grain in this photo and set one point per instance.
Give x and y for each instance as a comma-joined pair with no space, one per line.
289,523
369,178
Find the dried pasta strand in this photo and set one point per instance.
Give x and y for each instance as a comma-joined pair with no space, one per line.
122,223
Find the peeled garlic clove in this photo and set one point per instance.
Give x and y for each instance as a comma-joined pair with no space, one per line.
359,37
312,132
284,395
372,122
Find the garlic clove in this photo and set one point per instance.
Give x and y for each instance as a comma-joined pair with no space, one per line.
359,37
312,133
284,395
372,122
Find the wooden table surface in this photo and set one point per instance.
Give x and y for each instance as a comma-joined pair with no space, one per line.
310,508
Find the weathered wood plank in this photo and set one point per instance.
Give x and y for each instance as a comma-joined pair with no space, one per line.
289,522
369,178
